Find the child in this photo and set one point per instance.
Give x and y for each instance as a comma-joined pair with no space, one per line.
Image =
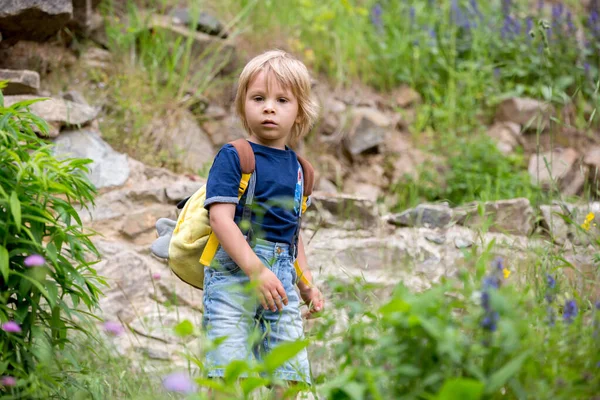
274,103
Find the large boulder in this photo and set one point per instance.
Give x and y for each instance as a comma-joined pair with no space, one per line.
182,139
59,113
532,114
513,217
368,128
558,168
108,168
40,57
342,211
20,81
33,19
424,215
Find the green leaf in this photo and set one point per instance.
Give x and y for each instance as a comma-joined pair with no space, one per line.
354,390
461,389
282,353
15,208
4,262
501,376
251,383
234,369
184,328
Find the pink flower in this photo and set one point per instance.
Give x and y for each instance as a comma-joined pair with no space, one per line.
179,382
8,381
113,328
11,326
34,260
156,276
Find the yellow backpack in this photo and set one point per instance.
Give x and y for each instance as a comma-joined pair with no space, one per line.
189,244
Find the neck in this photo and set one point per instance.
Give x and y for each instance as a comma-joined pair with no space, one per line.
276,143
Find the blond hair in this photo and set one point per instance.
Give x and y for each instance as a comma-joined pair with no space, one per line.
290,73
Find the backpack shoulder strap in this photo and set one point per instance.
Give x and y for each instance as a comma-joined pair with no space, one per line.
246,155
309,175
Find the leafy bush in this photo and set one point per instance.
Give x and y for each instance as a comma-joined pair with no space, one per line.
474,170
46,258
479,336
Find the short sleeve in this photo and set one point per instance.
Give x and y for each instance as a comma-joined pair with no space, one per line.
224,178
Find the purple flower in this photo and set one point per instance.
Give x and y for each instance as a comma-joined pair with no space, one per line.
179,382
528,25
491,282
11,327
540,5
551,281
34,260
8,381
156,276
551,316
113,328
376,13
490,321
475,9
498,263
485,301
569,311
597,305
586,67
506,4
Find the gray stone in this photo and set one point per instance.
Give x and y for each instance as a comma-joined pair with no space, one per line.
463,243
179,135
20,81
505,135
40,57
97,58
58,113
425,215
183,189
530,113
436,238
224,131
406,96
33,19
514,216
204,22
367,132
342,211
108,168
75,97
557,169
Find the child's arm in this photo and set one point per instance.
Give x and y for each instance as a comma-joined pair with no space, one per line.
309,292
271,292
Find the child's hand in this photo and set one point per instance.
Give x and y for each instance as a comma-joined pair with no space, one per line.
314,299
270,290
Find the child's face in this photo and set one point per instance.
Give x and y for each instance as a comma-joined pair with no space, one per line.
271,110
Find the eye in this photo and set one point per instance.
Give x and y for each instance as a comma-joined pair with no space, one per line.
283,100
257,98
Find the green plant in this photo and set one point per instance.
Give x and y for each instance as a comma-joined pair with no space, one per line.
46,275
474,170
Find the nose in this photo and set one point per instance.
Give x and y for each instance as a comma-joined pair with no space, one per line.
268,109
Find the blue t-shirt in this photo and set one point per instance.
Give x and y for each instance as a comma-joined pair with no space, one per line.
278,190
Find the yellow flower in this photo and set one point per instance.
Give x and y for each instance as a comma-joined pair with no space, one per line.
506,273
588,219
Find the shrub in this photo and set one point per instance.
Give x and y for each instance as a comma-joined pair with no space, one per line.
46,258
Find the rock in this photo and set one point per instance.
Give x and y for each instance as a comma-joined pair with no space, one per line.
591,160
33,19
138,225
20,81
182,189
97,58
514,216
83,16
406,96
58,113
341,210
224,131
424,215
108,168
530,113
362,189
204,22
326,186
556,168
178,134
505,134
224,54
463,243
215,112
40,57
563,221
75,97
368,130
436,238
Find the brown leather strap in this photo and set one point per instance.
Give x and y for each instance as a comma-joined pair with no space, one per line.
309,176
245,154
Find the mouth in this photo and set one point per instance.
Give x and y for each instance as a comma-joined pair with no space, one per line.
268,122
